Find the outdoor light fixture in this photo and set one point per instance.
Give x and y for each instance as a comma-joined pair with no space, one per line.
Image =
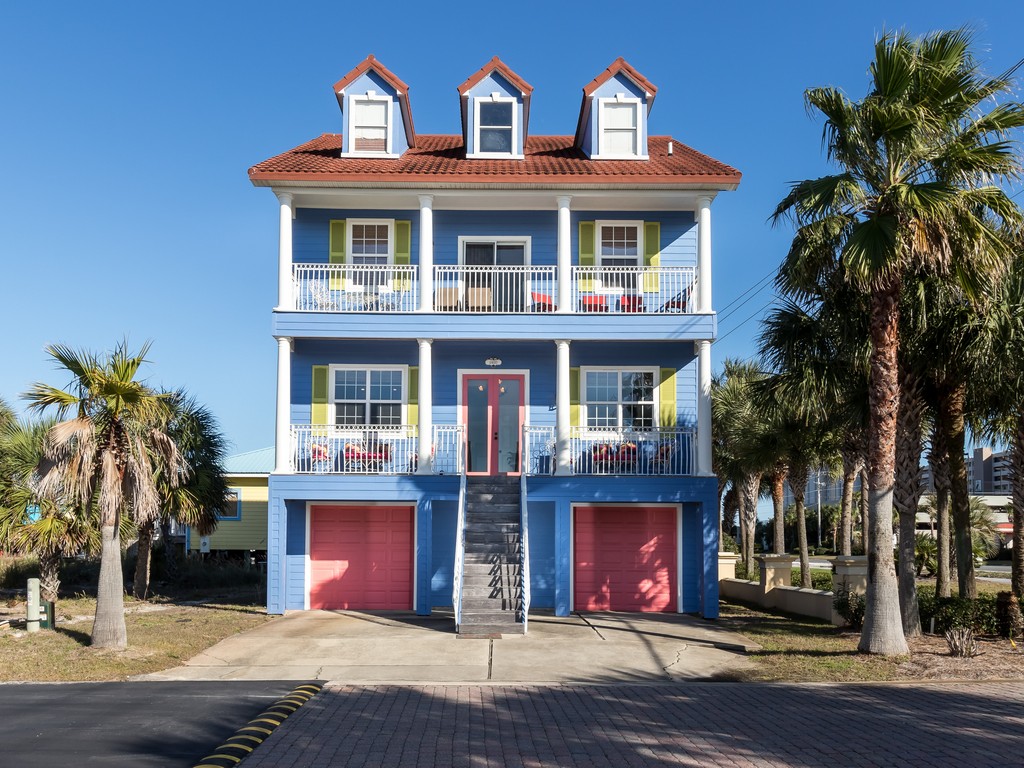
492,362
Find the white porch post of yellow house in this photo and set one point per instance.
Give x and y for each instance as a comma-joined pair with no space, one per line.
563,455
284,253
426,256
564,255
425,426
704,408
282,425
704,254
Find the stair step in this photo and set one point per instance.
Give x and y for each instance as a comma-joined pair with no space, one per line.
488,616
491,559
482,590
492,604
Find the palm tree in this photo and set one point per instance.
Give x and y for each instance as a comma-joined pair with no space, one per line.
43,524
913,192
105,453
198,493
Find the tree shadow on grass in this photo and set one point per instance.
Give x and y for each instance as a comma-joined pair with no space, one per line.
82,638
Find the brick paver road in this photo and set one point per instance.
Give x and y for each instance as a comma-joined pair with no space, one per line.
712,724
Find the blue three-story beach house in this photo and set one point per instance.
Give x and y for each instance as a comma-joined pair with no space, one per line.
493,370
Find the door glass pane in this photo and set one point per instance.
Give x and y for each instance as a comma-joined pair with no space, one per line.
479,254
477,431
508,425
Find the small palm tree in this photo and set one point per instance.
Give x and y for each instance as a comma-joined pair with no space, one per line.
103,451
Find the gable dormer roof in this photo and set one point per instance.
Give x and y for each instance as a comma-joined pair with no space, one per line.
496,65
619,66
371,63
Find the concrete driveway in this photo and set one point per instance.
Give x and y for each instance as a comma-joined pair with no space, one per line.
357,647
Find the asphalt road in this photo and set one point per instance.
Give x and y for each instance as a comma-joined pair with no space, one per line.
143,725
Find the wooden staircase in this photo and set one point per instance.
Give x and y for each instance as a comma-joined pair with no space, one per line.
492,574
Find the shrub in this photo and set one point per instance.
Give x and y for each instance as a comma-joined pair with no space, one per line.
748,574
961,642
926,554
820,579
978,615
850,605
728,544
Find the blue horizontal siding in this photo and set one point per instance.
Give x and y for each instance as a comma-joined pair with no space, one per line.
442,563
540,226
311,230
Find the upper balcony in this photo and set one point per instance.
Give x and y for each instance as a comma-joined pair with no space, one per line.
502,290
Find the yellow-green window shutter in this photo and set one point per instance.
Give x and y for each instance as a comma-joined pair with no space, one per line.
403,252
574,397
321,389
587,252
667,410
336,252
652,255
414,395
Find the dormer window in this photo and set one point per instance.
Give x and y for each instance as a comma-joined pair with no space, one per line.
495,125
620,127
495,107
371,118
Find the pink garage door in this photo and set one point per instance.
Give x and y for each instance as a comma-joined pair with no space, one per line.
625,559
360,557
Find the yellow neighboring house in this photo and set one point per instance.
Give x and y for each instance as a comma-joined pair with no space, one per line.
242,530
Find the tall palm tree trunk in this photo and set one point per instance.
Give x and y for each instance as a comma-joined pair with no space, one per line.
852,464
49,575
938,458
749,488
778,494
951,420
798,477
722,485
144,560
865,533
108,629
883,627
907,494
1017,489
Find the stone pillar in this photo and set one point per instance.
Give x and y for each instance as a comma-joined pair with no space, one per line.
283,448
704,254
727,565
425,427
704,439
563,455
426,256
851,571
776,571
284,253
564,255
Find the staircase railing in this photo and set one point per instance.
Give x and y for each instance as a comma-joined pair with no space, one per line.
524,545
460,553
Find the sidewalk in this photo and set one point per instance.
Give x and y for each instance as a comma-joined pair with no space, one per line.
357,647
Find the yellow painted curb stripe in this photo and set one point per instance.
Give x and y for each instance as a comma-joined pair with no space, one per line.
267,731
232,758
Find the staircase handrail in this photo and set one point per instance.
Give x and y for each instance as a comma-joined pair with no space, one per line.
460,552
524,545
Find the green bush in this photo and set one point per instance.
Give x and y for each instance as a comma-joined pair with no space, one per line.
979,615
195,573
753,574
728,544
850,605
820,579
15,571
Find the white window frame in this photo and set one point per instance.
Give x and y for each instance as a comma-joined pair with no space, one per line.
585,405
495,97
621,98
332,415
370,96
350,255
599,255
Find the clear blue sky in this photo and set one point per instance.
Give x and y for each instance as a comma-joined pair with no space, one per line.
127,130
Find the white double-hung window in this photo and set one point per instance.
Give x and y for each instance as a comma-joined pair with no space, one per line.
619,246
496,132
368,396
619,125
371,243
619,398
368,127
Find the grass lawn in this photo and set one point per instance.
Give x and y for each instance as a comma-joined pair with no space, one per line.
161,634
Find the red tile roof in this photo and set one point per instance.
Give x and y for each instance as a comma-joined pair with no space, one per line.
549,159
620,65
371,62
496,64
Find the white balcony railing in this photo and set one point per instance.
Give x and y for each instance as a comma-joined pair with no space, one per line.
371,450
644,452
505,289
633,290
356,288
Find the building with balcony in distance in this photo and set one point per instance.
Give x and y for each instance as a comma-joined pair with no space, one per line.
493,377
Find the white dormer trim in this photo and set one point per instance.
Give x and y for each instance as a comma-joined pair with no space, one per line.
370,96
516,128
640,129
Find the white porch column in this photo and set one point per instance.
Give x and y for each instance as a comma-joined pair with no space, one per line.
284,253
704,408
563,455
282,423
564,260
704,254
426,256
425,427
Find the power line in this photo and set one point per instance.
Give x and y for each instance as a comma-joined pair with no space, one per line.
751,317
751,296
772,272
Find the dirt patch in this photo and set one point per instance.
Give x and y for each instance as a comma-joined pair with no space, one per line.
930,660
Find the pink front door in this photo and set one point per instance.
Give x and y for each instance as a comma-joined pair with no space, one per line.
360,557
624,559
492,410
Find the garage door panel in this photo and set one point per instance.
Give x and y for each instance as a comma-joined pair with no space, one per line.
361,558
625,558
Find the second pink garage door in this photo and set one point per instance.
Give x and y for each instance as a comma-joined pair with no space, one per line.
360,558
624,558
